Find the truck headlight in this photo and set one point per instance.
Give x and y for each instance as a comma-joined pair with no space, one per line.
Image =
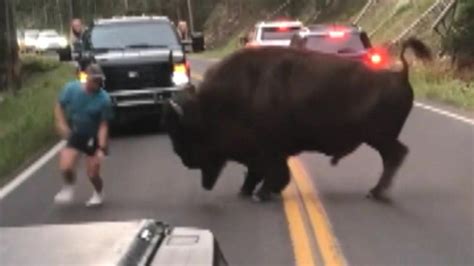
180,79
180,74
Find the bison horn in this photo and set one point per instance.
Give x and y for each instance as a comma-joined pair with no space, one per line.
178,109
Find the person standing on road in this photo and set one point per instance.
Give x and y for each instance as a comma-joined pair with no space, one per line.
82,114
76,31
183,30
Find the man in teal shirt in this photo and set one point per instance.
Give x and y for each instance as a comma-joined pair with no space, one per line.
82,114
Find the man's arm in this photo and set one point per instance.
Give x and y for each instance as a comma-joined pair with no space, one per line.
61,124
103,136
103,133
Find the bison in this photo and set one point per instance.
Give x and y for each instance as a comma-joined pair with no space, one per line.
260,106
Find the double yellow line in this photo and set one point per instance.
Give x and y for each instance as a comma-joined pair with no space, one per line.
302,207
320,229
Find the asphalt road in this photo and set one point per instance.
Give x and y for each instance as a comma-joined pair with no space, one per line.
430,220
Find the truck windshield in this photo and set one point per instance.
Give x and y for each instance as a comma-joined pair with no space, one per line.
133,35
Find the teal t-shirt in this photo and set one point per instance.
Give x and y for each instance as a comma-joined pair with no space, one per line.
85,111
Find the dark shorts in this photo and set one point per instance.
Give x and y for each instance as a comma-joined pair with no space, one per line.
83,143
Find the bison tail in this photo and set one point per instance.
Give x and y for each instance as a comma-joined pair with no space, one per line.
419,48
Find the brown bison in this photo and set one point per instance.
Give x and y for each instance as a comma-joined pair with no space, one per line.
260,106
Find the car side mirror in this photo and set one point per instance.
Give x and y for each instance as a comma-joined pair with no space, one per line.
198,43
187,45
65,54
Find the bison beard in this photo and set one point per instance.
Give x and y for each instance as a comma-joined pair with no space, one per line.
260,106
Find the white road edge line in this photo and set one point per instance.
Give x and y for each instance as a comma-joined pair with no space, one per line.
18,180
445,113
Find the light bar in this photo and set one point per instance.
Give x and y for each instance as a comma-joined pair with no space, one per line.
336,34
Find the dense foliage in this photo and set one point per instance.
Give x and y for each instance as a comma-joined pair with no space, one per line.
460,41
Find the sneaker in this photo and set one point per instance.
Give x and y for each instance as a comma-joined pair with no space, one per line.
96,200
65,195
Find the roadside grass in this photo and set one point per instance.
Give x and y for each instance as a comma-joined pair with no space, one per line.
443,85
26,119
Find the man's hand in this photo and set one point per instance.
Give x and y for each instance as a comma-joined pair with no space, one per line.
64,131
102,138
100,154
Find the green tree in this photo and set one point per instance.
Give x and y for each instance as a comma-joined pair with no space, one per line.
460,41
9,60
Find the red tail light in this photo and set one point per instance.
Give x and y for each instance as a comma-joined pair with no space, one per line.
377,58
282,28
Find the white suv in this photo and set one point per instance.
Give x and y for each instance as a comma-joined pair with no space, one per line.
50,40
273,33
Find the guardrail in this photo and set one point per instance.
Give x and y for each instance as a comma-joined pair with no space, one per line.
441,20
435,12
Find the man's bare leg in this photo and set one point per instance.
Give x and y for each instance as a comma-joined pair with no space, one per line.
67,165
93,171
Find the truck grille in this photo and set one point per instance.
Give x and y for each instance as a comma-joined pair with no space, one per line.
134,77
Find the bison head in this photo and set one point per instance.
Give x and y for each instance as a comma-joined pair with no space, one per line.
191,140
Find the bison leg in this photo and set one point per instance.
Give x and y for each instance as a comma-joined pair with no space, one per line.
282,180
393,155
276,177
252,179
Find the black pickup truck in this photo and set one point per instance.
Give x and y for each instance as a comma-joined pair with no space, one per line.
143,59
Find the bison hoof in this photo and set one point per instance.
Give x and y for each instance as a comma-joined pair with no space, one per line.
261,197
378,195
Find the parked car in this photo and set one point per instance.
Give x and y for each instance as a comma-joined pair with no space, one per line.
50,40
30,37
347,41
273,33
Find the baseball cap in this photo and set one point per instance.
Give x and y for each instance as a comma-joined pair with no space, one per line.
95,71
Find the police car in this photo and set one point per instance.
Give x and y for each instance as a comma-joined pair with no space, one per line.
273,33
